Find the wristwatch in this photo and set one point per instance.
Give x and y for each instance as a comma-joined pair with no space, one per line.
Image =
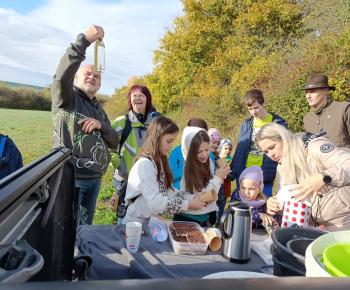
326,178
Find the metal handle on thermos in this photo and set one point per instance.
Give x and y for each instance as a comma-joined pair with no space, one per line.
222,221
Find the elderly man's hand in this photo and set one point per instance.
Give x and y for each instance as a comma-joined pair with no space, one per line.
93,33
90,124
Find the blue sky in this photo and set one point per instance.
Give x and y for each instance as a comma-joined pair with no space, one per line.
20,6
36,33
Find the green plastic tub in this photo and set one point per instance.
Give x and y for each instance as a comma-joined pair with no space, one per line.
336,258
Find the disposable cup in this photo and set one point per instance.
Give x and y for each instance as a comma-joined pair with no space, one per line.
133,235
209,196
295,213
221,162
214,236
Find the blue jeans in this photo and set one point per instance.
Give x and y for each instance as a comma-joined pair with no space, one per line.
116,183
267,188
88,193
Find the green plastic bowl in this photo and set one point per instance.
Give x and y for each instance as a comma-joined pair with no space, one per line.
336,258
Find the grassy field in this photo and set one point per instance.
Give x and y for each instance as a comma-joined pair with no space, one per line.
31,131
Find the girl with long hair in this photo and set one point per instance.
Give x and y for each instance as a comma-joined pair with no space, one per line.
150,180
198,174
320,168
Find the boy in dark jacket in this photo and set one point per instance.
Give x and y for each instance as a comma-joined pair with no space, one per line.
247,152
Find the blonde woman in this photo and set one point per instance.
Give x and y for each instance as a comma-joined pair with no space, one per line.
321,169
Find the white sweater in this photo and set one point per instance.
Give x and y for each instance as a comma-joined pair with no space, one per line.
142,182
214,183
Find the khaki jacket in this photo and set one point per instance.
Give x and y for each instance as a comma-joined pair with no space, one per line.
332,206
334,119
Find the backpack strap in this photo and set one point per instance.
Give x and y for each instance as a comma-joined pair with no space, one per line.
126,132
2,145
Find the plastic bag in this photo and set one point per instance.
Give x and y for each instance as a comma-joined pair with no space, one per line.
158,230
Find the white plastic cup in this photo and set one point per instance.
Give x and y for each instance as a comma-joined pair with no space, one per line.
133,235
295,213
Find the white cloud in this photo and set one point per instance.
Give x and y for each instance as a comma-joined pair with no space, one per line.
33,44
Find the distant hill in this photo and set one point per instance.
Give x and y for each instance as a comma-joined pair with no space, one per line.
17,85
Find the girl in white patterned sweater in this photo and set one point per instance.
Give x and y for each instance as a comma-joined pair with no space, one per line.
150,179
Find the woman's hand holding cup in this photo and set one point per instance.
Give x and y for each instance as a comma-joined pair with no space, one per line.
272,206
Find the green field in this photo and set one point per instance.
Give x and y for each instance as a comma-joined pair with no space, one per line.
31,131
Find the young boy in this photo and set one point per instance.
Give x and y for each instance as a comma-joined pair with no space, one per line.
247,152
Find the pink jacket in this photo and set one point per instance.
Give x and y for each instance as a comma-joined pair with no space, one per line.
332,206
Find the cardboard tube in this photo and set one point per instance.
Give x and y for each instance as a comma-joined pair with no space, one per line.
214,236
209,196
221,162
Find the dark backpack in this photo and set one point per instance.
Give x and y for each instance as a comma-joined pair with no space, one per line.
10,157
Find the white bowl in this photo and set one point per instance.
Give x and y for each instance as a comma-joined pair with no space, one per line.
315,251
237,274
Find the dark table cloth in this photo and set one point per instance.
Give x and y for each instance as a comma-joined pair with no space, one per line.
106,245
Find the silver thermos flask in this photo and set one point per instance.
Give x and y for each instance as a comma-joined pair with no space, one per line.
236,229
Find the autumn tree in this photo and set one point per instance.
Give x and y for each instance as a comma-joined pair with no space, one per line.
214,51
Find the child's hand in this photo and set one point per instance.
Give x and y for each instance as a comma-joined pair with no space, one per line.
223,171
272,206
198,196
196,204
267,220
275,224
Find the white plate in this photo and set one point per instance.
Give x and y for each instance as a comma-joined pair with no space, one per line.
237,274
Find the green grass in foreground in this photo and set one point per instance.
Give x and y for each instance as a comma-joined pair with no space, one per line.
31,131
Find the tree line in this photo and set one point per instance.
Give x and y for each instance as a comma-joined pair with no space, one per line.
26,98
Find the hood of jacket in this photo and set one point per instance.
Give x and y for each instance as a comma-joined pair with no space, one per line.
187,136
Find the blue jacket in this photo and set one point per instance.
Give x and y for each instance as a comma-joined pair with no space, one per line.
10,157
242,150
177,163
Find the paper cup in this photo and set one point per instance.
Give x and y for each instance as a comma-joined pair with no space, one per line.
295,213
209,196
133,234
221,162
214,236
